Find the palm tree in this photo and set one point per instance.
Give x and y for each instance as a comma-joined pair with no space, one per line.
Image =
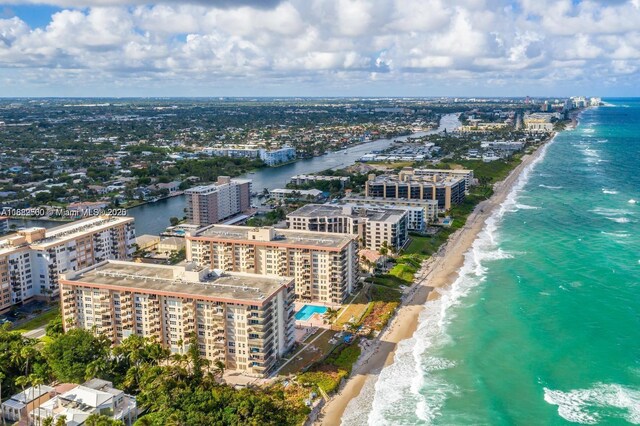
22,381
219,367
37,380
27,353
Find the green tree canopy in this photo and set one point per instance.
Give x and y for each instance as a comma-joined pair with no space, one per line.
70,354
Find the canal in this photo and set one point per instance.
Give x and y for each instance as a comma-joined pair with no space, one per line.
153,218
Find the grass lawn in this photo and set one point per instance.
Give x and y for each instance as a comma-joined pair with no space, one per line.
426,245
355,310
389,281
39,321
307,357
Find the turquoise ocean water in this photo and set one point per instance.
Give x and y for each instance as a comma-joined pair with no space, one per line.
543,325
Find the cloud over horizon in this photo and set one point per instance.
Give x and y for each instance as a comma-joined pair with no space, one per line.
318,47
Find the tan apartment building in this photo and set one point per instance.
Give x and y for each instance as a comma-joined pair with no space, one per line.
213,203
323,266
465,174
374,227
31,259
244,320
447,191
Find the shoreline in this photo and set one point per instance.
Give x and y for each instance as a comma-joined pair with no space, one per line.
440,271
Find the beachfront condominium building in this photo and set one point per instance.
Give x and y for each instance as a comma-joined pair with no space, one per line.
539,122
375,227
244,320
429,208
212,203
324,266
467,175
447,191
31,259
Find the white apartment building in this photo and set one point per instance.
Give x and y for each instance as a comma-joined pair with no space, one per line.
278,156
244,320
31,259
374,227
310,179
324,266
221,200
281,194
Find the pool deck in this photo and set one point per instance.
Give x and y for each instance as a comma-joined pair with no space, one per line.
316,320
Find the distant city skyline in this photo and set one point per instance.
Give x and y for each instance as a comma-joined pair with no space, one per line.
251,48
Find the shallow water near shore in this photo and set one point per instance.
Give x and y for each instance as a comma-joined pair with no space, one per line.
543,324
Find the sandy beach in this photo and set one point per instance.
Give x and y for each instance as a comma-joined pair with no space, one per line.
439,271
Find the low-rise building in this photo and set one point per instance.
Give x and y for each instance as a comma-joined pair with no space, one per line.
281,194
323,266
88,208
375,227
310,179
18,406
147,242
95,396
244,320
171,244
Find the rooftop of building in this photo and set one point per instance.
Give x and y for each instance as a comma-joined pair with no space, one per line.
319,177
212,187
30,394
377,214
438,171
43,238
77,402
315,192
356,199
438,180
283,237
189,280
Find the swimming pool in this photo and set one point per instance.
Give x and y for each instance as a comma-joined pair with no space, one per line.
307,312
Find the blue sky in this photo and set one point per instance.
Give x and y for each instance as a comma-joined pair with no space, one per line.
319,48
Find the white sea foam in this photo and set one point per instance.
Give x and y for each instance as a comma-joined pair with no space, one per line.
620,219
594,405
608,212
632,201
616,234
526,207
609,191
549,186
398,392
